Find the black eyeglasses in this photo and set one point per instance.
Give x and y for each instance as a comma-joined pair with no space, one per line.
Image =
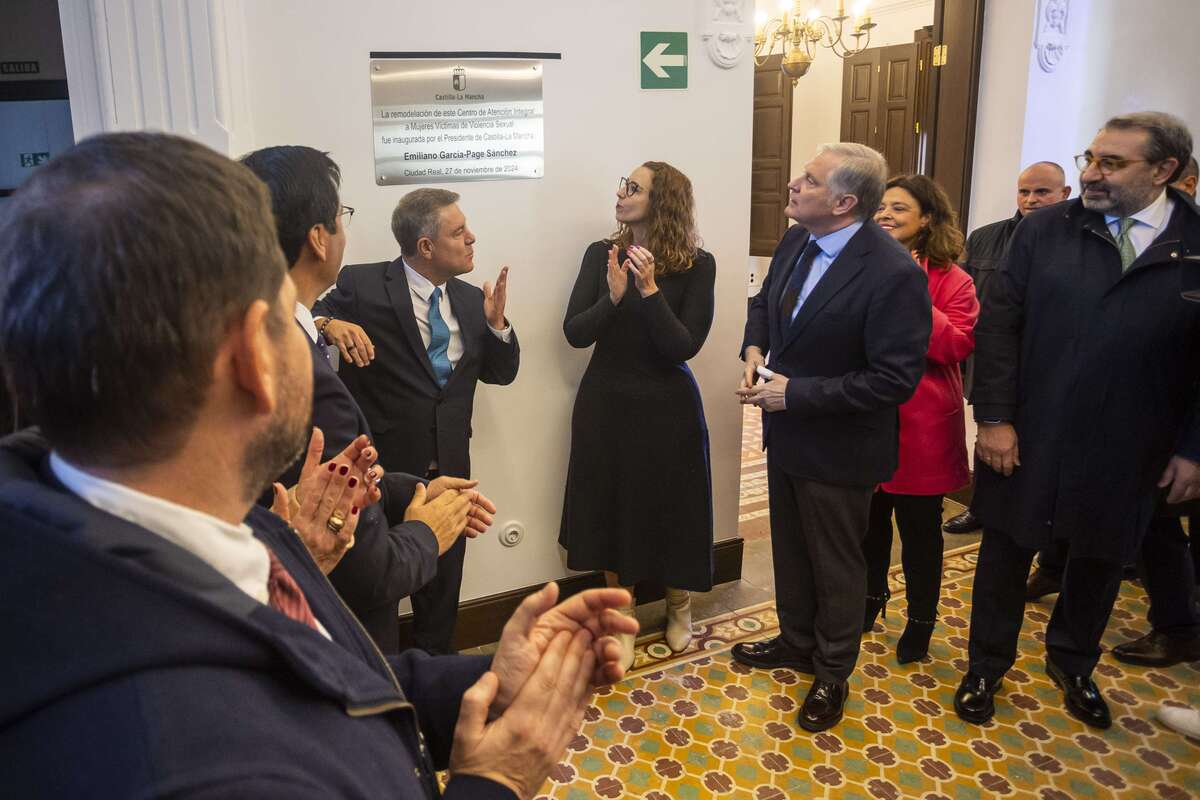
1106,164
347,212
628,188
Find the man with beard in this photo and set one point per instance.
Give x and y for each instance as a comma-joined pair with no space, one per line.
165,636
1086,399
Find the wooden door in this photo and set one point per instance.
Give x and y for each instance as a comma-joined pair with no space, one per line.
958,32
897,138
925,104
771,157
860,98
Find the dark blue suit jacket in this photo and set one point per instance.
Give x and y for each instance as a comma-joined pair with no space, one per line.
134,669
391,558
415,420
854,353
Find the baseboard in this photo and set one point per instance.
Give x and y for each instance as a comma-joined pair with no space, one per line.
481,620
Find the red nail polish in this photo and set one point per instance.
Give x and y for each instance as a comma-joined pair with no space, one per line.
332,466
353,510
343,470
353,482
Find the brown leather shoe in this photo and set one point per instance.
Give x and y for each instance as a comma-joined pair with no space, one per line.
1158,650
823,706
1040,584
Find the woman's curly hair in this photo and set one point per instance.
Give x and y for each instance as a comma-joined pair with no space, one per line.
671,230
941,242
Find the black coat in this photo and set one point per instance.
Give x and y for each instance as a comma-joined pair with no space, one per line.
391,558
854,353
416,421
1098,371
133,669
984,253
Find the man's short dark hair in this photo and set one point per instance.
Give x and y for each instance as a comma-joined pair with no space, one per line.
122,262
304,192
1168,137
417,216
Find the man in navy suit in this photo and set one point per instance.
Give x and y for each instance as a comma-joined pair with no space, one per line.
434,338
844,319
398,540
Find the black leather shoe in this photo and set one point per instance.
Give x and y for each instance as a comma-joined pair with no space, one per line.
963,523
1081,696
975,699
1158,650
771,653
1042,583
823,706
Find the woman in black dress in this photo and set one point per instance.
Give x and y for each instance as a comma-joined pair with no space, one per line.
639,497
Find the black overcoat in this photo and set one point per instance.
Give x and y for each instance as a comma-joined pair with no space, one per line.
1098,371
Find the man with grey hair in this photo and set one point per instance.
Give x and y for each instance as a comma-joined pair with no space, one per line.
435,337
1085,394
843,321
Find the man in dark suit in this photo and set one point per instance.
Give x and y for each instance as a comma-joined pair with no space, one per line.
1087,404
844,317
434,338
209,655
399,539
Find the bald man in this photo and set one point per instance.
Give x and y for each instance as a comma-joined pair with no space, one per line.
1040,184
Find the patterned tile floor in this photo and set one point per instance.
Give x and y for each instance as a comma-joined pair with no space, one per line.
698,725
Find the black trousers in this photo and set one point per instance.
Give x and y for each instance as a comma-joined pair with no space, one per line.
435,605
1089,589
817,531
1168,574
919,518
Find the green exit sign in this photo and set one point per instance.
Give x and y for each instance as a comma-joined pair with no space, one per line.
34,159
664,59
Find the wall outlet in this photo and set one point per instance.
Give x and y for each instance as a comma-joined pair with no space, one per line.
512,533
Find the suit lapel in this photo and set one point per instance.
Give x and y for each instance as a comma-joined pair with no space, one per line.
785,263
395,283
843,269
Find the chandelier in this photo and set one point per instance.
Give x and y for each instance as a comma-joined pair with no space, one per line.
798,34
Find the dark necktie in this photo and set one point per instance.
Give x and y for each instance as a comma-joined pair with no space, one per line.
791,292
284,594
439,339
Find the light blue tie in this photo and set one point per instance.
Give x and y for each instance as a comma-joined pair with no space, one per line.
439,339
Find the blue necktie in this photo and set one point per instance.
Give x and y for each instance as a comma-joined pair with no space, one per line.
439,339
791,292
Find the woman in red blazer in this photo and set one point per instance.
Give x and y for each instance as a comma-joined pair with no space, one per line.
933,449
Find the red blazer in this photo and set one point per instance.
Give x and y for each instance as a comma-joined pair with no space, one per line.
933,447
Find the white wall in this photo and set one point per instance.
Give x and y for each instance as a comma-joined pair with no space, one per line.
1000,119
308,84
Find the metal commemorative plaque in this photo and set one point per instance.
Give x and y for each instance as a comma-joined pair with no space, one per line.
436,120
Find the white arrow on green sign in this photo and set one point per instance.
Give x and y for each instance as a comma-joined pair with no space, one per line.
664,60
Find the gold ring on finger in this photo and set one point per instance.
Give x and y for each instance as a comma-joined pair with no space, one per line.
337,521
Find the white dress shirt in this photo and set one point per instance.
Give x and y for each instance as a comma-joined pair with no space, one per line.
1148,224
422,290
305,318
230,549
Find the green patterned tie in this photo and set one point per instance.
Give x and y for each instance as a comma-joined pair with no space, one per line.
1124,243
